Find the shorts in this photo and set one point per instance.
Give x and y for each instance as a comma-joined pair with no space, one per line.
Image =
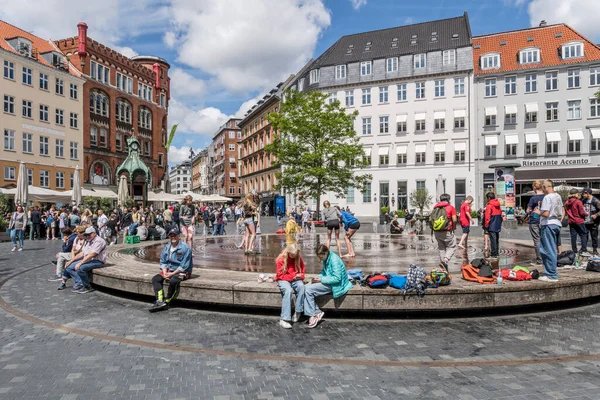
249,221
354,226
187,230
333,224
466,228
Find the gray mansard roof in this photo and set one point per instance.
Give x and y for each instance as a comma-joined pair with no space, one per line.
450,33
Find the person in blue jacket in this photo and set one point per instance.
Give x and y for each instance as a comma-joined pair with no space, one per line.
64,255
351,225
333,279
176,266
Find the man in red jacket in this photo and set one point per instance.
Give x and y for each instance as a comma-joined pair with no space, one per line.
493,222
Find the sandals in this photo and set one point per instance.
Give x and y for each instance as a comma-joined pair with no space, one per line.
265,278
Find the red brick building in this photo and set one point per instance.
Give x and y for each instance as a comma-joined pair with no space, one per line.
123,97
224,169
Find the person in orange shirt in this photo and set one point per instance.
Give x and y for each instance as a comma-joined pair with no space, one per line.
290,278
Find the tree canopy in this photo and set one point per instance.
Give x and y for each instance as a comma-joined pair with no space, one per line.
317,146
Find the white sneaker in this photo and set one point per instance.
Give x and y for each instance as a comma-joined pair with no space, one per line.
546,279
285,324
296,317
20,249
14,248
586,254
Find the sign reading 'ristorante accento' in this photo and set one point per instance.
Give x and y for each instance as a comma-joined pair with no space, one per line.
555,162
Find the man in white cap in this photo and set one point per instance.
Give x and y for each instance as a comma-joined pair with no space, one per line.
93,256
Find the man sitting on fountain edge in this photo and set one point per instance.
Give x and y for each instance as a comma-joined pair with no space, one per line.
176,266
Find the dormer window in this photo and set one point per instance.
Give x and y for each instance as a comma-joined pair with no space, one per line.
21,45
365,68
529,56
340,71
55,59
420,60
314,76
490,61
572,50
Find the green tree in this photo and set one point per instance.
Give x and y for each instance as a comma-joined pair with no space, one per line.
318,147
421,199
97,203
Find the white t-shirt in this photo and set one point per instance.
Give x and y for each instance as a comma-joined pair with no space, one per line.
553,203
305,216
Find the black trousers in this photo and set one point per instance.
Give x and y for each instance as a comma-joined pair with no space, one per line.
36,231
593,231
157,284
494,243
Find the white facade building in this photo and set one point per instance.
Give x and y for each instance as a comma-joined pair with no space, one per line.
180,178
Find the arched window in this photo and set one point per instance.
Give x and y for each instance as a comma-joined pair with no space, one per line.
123,111
144,117
99,103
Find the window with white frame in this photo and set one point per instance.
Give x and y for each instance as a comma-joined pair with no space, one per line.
74,150
459,86
9,173
29,176
552,147
531,149
124,83
145,92
9,70
366,126
365,68
401,159
574,146
367,158
231,146
44,145
531,117
314,76
332,97
103,137
44,178
384,159
459,122
595,75
420,60
231,134
59,87
163,100
43,81
490,120
552,111
123,111
148,147
43,113
530,83
99,72
119,141
383,94
9,140
552,80
93,135
574,109
9,104
594,107
366,96
459,156
573,78
73,91
490,87
27,109
350,194
59,148
529,56
510,118
490,151
366,192
349,98
449,57
510,150
420,124
99,103
510,85
420,90
594,144
401,127
420,157
392,64
144,117
384,124
27,76
27,143
59,117
439,123
572,50
401,92
60,180
490,61
439,157
440,90
340,71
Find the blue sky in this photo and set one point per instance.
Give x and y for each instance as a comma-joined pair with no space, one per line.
225,54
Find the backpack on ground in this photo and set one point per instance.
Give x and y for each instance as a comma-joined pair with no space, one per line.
593,265
398,282
439,219
566,258
377,281
355,274
471,274
415,281
439,277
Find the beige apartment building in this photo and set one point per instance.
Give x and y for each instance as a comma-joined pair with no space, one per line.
42,111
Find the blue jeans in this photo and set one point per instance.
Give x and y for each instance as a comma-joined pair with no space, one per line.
287,288
218,229
132,228
17,233
70,272
83,271
310,292
548,249
578,230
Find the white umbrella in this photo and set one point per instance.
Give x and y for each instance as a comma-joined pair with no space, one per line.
162,196
21,193
439,189
76,195
123,190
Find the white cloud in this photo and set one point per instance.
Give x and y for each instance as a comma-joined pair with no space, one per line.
356,4
408,20
126,51
178,155
579,14
204,121
246,106
184,85
261,43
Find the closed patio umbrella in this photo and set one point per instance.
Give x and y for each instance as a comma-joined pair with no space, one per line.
123,190
439,189
21,193
76,195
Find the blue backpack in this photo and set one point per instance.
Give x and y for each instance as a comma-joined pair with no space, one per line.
377,281
398,281
355,274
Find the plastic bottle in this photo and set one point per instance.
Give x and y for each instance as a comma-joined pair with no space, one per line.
499,279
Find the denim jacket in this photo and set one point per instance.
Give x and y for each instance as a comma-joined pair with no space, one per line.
180,259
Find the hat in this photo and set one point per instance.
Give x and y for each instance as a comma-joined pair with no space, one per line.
574,191
587,190
89,230
173,232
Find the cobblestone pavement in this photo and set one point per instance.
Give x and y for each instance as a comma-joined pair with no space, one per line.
98,346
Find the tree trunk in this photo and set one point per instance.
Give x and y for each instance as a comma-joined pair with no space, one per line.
318,214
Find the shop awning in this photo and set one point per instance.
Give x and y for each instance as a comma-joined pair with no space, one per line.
576,134
420,148
439,115
383,151
491,111
401,149
491,140
531,107
511,139
439,147
553,136
511,109
460,113
368,151
532,138
401,118
419,116
460,146
595,132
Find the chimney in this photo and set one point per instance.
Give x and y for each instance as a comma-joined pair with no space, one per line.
82,49
543,23
156,69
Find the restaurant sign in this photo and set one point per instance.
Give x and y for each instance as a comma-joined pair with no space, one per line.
557,162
